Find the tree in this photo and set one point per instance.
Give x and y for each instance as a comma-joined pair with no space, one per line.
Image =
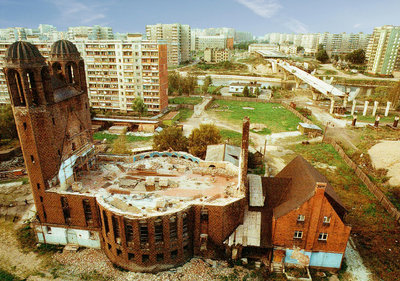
246,91
207,84
322,55
120,145
394,96
257,91
139,106
7,123
299,49
173,82
356,57
200,137
170,138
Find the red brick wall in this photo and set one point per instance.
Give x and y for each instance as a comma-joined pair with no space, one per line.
314,211
118,252
163,76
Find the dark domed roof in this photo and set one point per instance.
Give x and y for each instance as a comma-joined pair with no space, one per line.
22,50
64,47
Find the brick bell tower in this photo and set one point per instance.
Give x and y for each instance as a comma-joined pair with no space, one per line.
51,114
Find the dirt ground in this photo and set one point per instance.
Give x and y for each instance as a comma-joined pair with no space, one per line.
386,155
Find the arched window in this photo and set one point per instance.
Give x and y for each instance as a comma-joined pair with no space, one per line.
16,90
57,71
32,87
46,80
71,71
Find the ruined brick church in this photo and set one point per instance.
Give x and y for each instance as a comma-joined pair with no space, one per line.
156,210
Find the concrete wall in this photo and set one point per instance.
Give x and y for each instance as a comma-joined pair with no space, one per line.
317,259
64,236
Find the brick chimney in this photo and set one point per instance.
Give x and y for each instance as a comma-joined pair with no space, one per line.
244,154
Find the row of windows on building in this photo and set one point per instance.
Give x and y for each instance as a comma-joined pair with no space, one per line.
144,229
302,218
322,236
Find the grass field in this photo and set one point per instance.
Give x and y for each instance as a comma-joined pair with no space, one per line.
375,232
185,100
111,138
273,115
232,137
184,114
371,119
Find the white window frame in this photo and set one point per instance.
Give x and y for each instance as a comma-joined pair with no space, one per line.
327,220
301,218
298,234
323,236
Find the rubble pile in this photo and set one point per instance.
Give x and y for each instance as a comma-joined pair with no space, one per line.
16,162
92,260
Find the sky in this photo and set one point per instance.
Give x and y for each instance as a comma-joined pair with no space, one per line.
256,16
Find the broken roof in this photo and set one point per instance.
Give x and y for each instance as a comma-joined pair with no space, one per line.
297,182
223,152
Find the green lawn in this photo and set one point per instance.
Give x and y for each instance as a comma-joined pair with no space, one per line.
373,229
185,100
371,119
233,138
111,138
184,114
273,115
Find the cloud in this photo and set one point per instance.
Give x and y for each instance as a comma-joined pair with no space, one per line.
75,12
357,25
296,26
263,8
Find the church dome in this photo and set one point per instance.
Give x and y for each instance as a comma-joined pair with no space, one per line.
23,51
63,48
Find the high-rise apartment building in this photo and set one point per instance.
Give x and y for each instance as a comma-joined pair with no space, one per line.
117,72
383,52
95,32
178,40
210,41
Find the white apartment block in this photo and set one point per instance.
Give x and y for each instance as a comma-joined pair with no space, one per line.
178,40
263,47
383,52
95,32
217,55
117,72
203,42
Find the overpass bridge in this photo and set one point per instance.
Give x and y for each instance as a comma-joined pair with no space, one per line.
315,83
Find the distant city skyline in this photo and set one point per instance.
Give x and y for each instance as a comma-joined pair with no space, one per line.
256,16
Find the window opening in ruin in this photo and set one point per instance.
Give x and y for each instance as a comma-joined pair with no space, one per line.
54,121
185,224
174,254
105,220
73,146
298,234
115,227
327,220
186,249
160,257
204,215
119,252
128,231
44,214
109,246
32,159
38,185
70,74
145,258
131,256
41,199
87,210
158,229
173,228
144,232
25,126
32,88
16,88
323,236
301,218
66,210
